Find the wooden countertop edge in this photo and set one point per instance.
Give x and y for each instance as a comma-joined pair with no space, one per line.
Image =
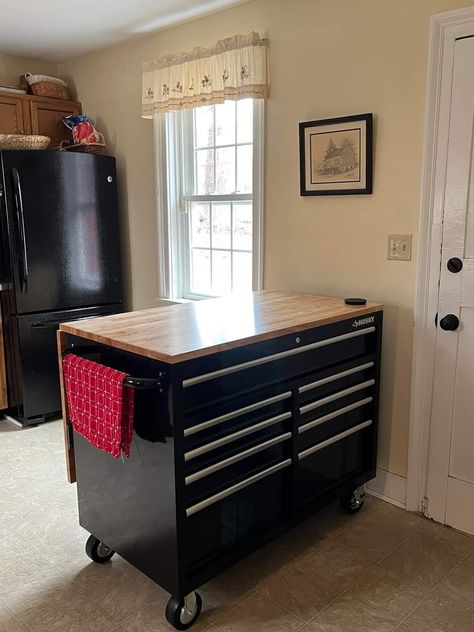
238,342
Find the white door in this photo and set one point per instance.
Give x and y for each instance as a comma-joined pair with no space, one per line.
450,491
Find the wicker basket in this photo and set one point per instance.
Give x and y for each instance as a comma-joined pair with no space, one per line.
49,89
86,148
23,141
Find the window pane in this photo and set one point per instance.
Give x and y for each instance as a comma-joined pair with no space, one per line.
245,121
221,226
201,271
204,126
225,170
200,224
242,228
242,281
244,168
204,171
225,123
221,272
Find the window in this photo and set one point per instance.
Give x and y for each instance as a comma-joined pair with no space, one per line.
212,210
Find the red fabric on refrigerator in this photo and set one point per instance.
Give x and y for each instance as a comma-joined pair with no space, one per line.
100,407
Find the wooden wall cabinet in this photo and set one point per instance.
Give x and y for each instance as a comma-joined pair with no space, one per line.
27,114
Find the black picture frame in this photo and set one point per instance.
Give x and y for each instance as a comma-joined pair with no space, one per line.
358,156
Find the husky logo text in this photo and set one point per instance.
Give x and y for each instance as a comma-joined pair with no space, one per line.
364,321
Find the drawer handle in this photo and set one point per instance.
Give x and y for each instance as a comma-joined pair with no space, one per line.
339,437
338,395
237,487
336,376
208,447
333,415
236,458
235,413
276,356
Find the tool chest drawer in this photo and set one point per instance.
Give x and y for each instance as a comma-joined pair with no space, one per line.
326,464
237,517
219,376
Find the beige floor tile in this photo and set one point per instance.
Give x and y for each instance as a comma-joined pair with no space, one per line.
338,562
46,603
430,554
348,614
258,613
302,593
390,590
450,608
152,619
118,588
223,592
381,533
8,623
56,535
18,562
403,627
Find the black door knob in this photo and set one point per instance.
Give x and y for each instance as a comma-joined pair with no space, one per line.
450,322
455,264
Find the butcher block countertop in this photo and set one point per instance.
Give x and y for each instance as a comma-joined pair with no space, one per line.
189,330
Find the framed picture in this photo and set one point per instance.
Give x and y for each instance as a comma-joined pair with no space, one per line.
336,156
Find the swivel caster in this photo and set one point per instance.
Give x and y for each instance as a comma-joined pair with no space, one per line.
353,502
181,614
98,551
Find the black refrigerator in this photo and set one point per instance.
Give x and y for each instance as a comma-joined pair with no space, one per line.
60,261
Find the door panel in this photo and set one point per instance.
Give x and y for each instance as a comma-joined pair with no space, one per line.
451,458
68,255
11,115
46,118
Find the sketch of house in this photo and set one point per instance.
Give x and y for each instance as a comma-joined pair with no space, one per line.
339,159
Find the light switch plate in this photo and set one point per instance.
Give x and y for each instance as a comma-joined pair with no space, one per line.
399,247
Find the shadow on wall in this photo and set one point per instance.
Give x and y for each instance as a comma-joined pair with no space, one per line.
395,380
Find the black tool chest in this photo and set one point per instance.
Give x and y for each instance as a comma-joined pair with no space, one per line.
230,449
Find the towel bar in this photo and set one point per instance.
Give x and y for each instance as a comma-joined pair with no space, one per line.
138,383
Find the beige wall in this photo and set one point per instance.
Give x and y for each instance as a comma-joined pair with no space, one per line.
327,58
12,67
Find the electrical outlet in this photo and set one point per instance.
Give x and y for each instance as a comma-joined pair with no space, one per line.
399,247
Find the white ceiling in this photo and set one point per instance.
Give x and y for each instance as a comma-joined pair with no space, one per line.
57,30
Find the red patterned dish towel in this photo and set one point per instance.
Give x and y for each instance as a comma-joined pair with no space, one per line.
100,406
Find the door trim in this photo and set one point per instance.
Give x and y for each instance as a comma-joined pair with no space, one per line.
445,29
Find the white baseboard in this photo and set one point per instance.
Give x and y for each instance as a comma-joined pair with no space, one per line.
389,487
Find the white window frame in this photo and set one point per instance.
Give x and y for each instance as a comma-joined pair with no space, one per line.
172,201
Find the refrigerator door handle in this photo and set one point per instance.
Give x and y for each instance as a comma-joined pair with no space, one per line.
21,229
49,324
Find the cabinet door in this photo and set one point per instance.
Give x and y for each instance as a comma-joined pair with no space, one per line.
11,115
46,115
3,380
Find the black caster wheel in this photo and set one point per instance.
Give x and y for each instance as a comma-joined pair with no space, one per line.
181,614
353,502
98,551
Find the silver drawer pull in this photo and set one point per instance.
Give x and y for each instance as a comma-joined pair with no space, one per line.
236,458
236,413
339,437
334,396
333,415
336,376
237,487
275,356
208,447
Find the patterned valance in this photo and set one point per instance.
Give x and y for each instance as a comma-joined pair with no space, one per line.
235,68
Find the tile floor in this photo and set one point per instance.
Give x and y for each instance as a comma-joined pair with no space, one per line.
378,571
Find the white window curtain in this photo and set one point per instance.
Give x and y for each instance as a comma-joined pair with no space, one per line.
235,68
